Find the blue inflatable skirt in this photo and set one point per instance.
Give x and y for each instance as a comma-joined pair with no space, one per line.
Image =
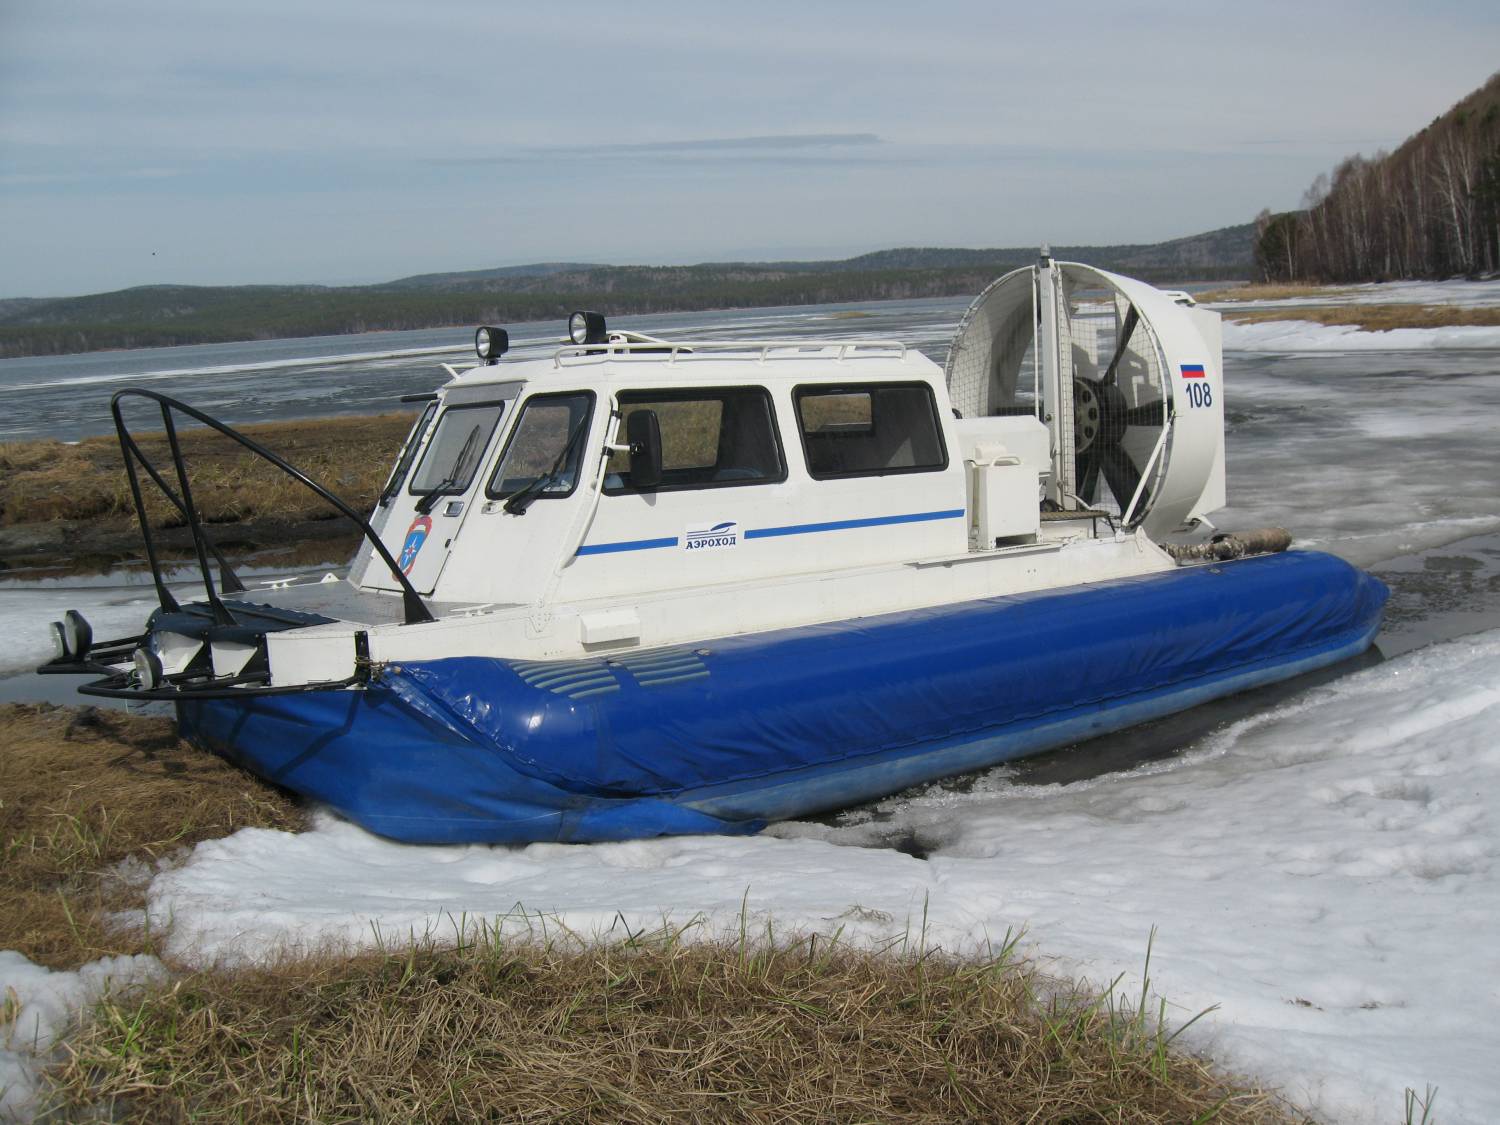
728,734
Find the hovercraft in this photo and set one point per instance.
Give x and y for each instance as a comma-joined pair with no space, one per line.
627,586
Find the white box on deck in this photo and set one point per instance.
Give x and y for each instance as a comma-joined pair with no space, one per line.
1005,497
1008,461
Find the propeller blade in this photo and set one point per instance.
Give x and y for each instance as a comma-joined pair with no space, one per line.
1122,476
1132,318
1146,414
1086,473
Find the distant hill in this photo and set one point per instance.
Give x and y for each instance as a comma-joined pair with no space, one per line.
163,315
1429,209
1194,258
444,280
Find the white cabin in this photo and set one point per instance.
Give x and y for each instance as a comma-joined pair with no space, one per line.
628,493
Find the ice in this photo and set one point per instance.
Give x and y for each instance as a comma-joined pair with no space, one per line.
240,368
116,604
1456,291
1367,454
1324,872
1293,335
44,1004
27,609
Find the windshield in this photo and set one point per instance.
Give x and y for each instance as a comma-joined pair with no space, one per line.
456,449
535,452
408,454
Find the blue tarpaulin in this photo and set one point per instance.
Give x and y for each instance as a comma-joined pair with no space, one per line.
722,735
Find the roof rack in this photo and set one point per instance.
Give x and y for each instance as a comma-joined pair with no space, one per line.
758,351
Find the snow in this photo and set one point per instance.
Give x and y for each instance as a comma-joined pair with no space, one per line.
1324,872
45,1003
1293,335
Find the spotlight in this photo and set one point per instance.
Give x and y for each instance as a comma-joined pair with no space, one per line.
79,634
59,642
148,670
587,328
491,343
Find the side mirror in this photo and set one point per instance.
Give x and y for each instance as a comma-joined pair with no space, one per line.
643,435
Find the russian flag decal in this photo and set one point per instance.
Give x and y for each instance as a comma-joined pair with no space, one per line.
1193,371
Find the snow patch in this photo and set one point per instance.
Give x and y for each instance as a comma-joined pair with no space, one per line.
1293,335
43,1004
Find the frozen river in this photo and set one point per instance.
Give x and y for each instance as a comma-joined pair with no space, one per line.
1321,861
68,396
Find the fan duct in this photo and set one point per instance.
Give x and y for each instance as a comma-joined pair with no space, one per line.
1099,359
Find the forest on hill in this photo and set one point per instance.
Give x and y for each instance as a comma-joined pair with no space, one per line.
1431,208
164,315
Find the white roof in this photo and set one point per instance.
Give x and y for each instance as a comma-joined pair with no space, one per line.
699,361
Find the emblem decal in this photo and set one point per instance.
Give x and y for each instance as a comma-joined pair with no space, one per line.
416,535
706,537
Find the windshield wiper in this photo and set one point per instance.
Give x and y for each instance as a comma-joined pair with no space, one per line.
521,499
455,474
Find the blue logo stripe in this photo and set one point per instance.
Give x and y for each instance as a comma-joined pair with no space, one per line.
790,529
845,525
631,545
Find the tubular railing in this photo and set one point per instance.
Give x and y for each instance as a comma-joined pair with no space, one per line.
760,351
415,608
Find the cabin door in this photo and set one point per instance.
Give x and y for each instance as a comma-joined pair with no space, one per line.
426,515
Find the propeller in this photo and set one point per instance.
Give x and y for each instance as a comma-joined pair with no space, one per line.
1100,418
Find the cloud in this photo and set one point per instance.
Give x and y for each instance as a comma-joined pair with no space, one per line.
775,146
773,141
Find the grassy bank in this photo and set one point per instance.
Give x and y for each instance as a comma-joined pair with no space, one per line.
655,1027
1260,291
52,480
84,791
72,501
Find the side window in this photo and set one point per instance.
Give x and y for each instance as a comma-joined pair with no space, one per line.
456,449
870,430
408,454
546,447
710,437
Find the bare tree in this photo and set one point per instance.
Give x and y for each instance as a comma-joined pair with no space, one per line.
1429,209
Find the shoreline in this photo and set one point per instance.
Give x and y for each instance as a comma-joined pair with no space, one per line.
75,547
68,506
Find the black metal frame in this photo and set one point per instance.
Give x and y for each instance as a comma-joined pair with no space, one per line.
122,685
102,658
415,608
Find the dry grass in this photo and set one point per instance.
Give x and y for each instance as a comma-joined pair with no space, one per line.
654,1029
1263,292
82,790
42,481
1378,318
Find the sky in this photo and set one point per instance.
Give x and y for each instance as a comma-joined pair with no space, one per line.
199,142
